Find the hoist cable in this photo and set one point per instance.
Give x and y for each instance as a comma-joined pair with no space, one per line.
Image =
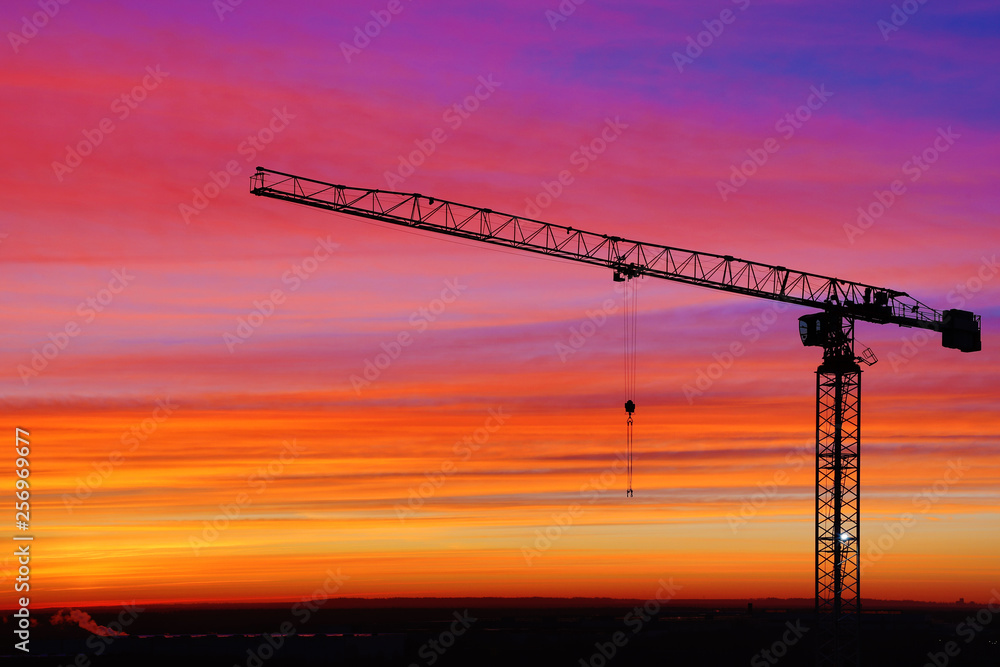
630,320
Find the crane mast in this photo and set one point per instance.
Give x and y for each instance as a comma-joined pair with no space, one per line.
838,378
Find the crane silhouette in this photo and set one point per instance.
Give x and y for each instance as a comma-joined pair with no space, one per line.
838,379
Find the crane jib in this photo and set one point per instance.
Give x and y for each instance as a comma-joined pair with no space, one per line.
856,301
838,378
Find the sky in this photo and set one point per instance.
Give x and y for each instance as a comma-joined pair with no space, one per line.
229,397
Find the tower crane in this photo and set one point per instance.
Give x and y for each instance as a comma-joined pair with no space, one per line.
841,303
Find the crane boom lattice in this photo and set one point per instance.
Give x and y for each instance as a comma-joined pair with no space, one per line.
838,379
